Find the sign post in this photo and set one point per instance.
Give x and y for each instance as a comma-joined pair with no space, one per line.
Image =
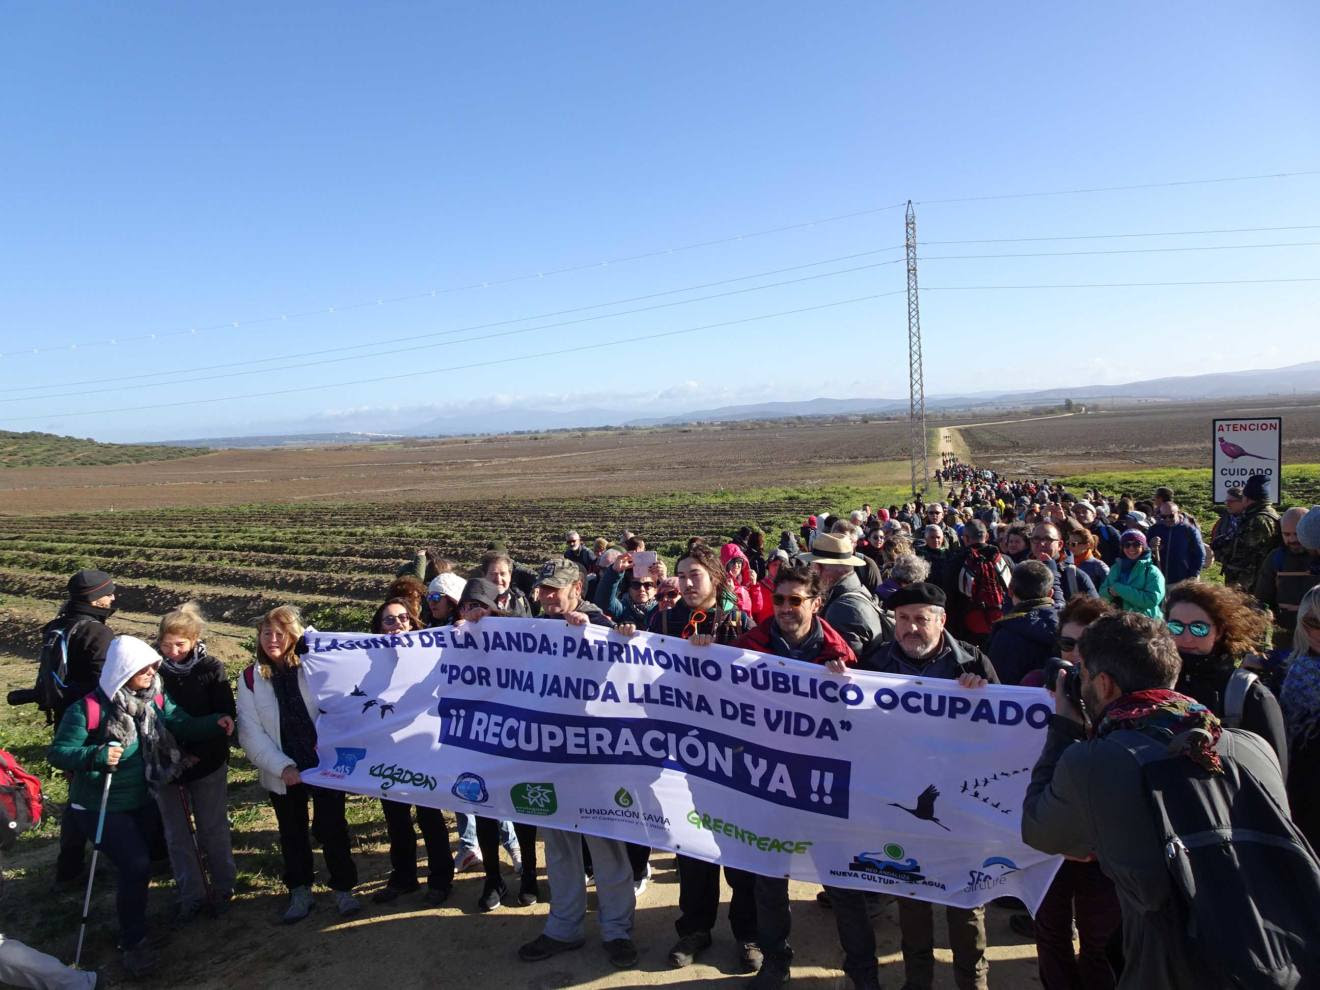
1243,447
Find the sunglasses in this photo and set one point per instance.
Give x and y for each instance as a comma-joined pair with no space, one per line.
1198,629
1167,516
668,596
470,606
646,584
1311,622
794,600
694,623
434,597
1067,644
394,620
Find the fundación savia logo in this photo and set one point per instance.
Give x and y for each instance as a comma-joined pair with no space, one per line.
534,799
346,761
623,799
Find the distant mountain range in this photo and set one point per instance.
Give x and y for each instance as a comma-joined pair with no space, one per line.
1297,379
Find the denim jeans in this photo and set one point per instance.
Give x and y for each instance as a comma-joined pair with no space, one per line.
207,798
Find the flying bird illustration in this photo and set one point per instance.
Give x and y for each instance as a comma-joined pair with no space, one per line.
925,809
357,692
964,788
976,794
994,804
384,709
368,704
1232,451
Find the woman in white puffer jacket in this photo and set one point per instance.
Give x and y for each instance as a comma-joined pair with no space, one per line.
277,728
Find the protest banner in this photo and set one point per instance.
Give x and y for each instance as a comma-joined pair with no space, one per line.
905,786
1243,447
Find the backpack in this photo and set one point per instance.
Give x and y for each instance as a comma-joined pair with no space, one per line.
53,667
93,705
1245,881
982,582
20,800
1235,697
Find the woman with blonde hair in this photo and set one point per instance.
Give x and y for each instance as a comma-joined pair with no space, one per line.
1300,699
277,727
197,684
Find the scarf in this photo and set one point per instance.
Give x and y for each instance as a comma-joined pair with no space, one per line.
185,666
1186,725
1300,699
132,716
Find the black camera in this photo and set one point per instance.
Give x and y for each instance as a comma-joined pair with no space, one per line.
1072,681
22,696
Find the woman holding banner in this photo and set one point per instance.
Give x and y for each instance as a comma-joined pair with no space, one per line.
396,617
277,727
706,613
478,601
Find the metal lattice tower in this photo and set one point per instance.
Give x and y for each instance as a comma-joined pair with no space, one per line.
916,380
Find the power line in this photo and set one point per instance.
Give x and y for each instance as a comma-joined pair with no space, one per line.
1127,188
1153,233
305,363
465,367
1154,250
1115,285
430,293
197,329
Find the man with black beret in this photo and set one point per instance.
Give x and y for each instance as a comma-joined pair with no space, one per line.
82,620
921,647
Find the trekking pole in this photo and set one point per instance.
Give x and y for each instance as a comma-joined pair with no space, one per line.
197,847
96,852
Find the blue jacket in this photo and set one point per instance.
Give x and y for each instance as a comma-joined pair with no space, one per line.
1069,580
1108,547
1182,554
1023,640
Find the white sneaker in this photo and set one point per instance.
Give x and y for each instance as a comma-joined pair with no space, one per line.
639,887
469,859
517,866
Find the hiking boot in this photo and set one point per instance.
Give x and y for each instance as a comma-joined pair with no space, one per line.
543,947
346,904
687,948
621,952
491,898
187,914
467,861
435,896
300,905
390,893
770,977
750,957
140,959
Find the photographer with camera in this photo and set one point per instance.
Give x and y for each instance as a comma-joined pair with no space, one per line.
1155,778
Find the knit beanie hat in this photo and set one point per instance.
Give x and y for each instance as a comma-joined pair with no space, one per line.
1308,529
1133,536
1257,488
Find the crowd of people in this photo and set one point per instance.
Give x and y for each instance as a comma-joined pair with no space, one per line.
988,585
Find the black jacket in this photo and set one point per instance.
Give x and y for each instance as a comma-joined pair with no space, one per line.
1206,680
88,644
951,659
204,690
725,626
1023,640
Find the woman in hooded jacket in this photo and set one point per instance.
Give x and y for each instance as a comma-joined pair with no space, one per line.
127,728
197,684
1134,583
742,578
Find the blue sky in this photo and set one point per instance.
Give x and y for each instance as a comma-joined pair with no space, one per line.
173,167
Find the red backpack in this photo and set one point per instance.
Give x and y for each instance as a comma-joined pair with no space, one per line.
985,589
20,800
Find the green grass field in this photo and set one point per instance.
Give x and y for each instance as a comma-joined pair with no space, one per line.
51,450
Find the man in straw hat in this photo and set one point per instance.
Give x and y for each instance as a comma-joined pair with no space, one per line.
848,607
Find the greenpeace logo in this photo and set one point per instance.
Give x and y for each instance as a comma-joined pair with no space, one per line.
765,843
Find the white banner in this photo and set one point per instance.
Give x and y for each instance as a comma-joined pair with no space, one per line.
905,786
1243,447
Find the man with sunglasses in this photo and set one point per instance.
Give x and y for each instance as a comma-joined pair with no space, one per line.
796,631
935,516
1047,547
1181,552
